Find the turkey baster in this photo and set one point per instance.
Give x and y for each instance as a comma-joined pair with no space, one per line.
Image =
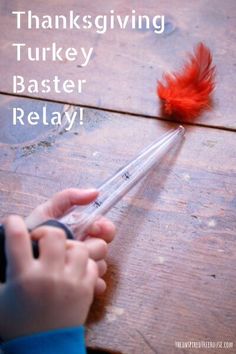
77,221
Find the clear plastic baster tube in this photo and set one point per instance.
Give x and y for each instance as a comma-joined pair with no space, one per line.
112,190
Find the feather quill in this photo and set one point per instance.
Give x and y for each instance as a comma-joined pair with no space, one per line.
186,94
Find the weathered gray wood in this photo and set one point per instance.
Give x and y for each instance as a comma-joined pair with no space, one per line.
126,64
172,266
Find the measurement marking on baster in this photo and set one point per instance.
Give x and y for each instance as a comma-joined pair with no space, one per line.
126,175
98,203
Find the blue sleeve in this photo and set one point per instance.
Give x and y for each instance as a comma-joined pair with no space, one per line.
61,341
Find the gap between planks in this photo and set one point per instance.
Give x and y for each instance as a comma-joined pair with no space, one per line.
121,112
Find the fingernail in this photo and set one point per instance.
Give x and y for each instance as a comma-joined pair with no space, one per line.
90,190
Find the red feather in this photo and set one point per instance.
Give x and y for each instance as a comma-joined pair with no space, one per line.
186,94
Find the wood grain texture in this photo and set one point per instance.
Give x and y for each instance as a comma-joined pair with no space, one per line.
172,266
126,65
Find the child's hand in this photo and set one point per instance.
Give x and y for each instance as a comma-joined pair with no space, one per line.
53,291
100,234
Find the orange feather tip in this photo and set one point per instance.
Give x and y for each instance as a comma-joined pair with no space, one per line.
187,94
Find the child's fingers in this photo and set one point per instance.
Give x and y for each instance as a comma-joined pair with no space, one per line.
92,273
63,201
104,229
59,204
100,287
101,263
77,256
18,245
51,246
102,267
97,248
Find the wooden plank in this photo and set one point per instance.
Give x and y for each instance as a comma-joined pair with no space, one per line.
172,266
126,65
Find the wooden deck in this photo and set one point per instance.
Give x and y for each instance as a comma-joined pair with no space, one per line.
172,267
